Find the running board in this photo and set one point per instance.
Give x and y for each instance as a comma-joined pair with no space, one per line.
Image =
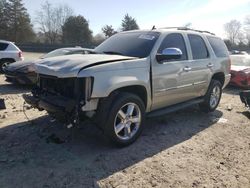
174,108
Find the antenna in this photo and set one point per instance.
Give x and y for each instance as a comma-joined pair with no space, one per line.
153,28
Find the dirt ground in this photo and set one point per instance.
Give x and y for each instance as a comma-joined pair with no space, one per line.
183,149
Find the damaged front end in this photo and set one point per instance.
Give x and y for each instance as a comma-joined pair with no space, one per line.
62,98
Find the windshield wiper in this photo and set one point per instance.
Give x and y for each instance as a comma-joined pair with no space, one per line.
112,53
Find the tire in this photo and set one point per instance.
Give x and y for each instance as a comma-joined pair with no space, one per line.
124,120
3,64
212,97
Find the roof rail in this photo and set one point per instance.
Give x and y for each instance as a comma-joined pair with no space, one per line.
188,29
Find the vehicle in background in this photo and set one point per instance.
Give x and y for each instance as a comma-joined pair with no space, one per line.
9,53
237,52
23,72
240,71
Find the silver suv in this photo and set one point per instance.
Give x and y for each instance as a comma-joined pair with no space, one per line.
131,75
9,53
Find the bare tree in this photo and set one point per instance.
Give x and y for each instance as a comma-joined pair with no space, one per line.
247,28
51,20
233,31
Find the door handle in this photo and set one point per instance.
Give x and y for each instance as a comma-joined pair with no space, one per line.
187,69
210,65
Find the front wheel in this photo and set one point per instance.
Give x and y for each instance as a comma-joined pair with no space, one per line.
212,98
126,119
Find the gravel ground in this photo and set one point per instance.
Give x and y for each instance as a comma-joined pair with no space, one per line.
183,149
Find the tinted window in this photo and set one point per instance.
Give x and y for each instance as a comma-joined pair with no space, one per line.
135,44
198,46
77,52
174,40
218,46
3,46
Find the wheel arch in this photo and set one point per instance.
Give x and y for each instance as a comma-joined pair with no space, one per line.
138,90
219,76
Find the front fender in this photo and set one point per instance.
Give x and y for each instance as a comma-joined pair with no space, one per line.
105,82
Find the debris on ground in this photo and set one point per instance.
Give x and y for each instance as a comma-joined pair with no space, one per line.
2,104
229,107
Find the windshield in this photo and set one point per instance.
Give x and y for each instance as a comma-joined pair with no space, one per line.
240,60
134,44
58,52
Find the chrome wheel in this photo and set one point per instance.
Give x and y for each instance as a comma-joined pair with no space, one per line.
127,121
215,96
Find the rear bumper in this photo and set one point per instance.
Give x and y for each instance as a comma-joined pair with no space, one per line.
243,83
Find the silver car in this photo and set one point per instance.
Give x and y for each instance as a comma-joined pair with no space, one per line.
131,75
9,53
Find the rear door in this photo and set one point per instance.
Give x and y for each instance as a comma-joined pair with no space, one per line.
201,65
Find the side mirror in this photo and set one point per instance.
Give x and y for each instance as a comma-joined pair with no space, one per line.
169,54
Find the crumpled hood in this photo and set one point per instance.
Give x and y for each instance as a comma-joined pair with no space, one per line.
70,65
18,65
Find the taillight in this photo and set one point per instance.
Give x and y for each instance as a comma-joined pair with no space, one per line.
20,54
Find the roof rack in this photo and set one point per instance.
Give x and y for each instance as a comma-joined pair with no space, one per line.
188,29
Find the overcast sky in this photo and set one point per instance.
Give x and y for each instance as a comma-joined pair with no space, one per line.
204,15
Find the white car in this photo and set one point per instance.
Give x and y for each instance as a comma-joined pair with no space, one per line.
9,53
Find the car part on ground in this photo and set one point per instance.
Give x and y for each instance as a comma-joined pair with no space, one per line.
9,53
245,98
131,75
24,72
2,104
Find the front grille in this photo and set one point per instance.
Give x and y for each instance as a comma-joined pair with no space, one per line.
58,86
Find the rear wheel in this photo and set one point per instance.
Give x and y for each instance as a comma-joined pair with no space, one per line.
212,98
125,120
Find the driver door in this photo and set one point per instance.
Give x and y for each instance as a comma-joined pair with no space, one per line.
172,79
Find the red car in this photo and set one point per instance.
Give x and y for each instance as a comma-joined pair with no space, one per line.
240,71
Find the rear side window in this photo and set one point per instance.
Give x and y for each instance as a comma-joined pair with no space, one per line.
174,40
198,46
218,46
3,46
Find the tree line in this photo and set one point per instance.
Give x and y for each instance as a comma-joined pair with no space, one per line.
56,25
59,25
